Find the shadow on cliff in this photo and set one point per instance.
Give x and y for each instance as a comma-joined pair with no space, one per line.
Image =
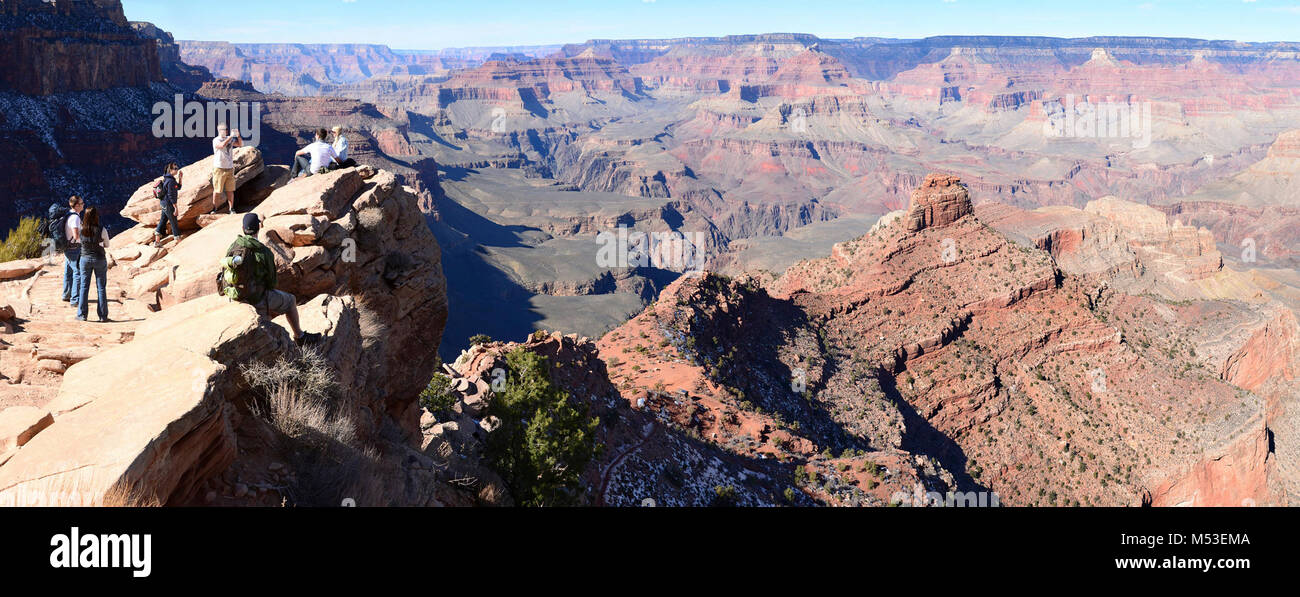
481,298
423,125
923,438
745,347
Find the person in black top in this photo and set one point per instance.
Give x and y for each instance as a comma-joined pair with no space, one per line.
94,260
171,183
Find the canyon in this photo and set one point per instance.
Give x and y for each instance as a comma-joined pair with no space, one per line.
1056,272
763,143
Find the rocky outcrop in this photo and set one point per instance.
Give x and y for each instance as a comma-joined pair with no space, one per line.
941,200
938,341
168,416
195,196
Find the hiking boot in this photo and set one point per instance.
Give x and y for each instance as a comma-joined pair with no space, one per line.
308,338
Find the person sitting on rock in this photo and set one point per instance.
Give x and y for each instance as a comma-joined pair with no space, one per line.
314,158
248,275
341,148
166,191
94,261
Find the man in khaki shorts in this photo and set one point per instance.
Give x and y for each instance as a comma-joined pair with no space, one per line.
223,173
248,275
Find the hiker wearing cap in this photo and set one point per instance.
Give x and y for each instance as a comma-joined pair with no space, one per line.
314,158
341,149
248,275
223,173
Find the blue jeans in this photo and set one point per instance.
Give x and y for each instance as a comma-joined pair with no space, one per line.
72,275
167,217
92,264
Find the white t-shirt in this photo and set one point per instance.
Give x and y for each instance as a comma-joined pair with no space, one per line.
341,148
224,155
72,228
321,155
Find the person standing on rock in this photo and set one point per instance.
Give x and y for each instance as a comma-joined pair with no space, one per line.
223,173
248,275
94,261
72,251
315,157
341,149
167,189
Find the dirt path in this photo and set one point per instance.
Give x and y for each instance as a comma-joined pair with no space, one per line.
617,461
44,338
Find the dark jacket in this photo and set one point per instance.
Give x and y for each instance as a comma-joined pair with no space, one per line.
170,188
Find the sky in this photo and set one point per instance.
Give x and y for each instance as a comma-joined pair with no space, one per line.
436,24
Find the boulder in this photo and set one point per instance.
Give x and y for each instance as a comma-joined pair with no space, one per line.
10,270
195,196
152,415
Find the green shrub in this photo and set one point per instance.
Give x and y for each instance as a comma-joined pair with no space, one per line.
437,397
544,441
724,495
478,339
23,242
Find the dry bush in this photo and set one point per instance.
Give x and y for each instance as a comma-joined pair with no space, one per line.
125,495
319,438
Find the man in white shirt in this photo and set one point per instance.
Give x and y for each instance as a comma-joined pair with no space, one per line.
223,172
314,157
72,253
341,148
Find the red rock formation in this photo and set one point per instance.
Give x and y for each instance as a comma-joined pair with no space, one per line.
940,200
945,325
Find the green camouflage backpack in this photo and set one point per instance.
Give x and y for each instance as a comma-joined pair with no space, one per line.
245,271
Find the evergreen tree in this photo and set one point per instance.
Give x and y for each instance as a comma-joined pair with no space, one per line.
545,441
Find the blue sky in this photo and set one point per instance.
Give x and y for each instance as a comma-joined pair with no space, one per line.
434,24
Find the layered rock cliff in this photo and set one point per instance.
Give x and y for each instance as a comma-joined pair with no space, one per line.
77,89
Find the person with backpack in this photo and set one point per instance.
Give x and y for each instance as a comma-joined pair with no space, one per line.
94,262
64,229
248,275
165,191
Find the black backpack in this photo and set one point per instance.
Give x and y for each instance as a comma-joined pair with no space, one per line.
56,221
